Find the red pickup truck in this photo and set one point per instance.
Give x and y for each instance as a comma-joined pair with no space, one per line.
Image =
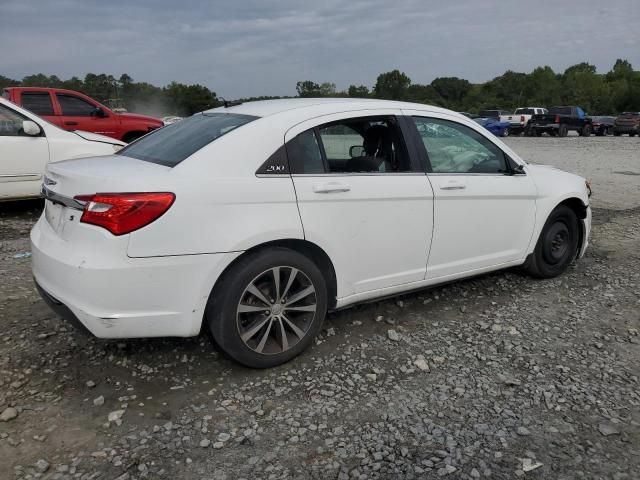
75,111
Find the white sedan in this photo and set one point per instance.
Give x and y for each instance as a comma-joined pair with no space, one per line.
28,143
253,221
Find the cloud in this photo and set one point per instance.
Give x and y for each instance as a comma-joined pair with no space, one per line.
252,47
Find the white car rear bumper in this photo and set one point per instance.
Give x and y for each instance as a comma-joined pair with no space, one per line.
115,296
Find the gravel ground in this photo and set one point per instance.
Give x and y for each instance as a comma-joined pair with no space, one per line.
612,164
496,377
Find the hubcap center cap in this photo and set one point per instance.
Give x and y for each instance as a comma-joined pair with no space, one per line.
277,309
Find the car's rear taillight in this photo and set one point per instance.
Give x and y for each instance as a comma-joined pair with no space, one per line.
522,118
557,120
122,213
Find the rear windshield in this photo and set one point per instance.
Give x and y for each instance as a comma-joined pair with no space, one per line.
525,111
170,145
560,110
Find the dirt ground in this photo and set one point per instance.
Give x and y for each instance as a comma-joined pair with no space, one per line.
500,376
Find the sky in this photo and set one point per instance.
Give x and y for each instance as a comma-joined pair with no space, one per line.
241,48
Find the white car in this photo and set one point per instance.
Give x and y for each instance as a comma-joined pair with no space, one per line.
254,220
28,143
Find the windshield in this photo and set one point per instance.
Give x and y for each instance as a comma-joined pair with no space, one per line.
170,145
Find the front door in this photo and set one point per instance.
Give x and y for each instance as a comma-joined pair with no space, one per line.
484,214
22,158
78,114
362,198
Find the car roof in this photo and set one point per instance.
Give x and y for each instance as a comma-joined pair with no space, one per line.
310,107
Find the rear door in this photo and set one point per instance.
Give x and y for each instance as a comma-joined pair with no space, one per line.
22,158
40,103
483,214
363,198
80,114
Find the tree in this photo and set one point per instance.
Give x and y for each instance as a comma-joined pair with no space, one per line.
307,88
358,91
423,94
543,87
392,85
190,99
7,82
452,90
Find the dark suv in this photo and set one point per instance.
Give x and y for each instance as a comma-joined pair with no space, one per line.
627,122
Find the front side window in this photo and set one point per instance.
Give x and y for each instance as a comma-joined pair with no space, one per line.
37,102
10,122
73,106
170,145
355,145
456,148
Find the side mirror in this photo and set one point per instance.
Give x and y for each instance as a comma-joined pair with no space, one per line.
356,151
31,129
98,112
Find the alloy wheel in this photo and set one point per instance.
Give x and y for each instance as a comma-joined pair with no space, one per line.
276,310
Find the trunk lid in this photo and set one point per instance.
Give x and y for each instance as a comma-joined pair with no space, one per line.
84,176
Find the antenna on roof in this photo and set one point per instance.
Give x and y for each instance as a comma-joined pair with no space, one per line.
228,103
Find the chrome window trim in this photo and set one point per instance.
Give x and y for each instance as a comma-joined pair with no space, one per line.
361,174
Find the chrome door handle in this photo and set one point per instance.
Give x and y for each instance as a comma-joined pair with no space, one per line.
331,187
453,185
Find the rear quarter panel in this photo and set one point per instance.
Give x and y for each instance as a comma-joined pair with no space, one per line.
221,204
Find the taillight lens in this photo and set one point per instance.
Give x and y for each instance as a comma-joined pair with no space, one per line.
522,118
122,213
557,120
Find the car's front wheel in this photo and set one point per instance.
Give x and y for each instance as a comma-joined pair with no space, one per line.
268,307
557,245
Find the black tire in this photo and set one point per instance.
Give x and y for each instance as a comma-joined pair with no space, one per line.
557,245
632,134
563,130
586,131
553,133
537,133
616,133
601,132
225,321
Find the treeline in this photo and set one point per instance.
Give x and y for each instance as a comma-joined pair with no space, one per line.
616,91
173,99
613,92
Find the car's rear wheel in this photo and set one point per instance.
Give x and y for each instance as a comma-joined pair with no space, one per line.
616,133
553,133
563,130
632,134
268,307
557,245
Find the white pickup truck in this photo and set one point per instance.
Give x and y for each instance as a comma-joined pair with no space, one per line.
520,118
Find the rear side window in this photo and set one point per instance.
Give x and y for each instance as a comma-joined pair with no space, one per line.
74,106
37,102
170,145
560,110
